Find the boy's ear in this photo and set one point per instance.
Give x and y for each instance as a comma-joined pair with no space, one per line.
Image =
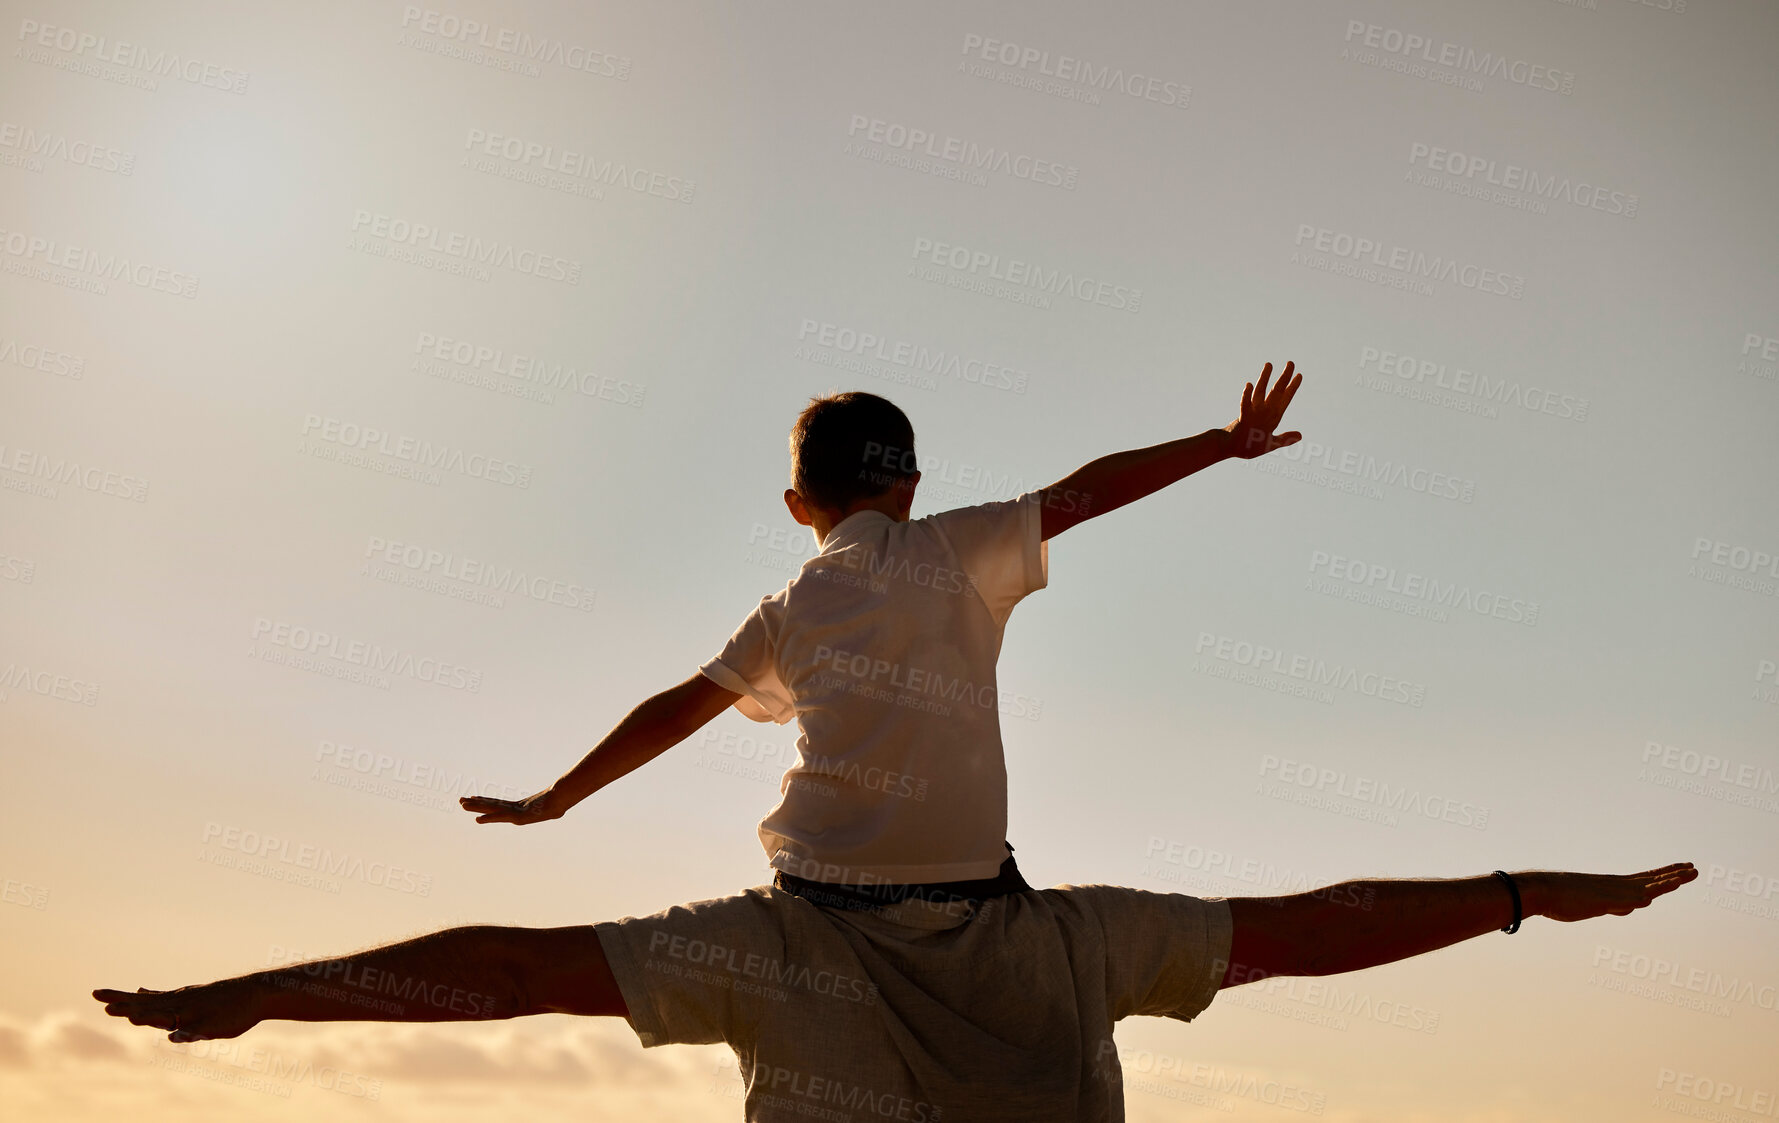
795,503
906,493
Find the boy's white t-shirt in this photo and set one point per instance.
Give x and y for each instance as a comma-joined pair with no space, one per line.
883,647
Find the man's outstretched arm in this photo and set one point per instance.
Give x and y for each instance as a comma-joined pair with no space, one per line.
1360,924
653,727
474,973
1112,481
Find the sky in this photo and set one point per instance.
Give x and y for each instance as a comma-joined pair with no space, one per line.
267,418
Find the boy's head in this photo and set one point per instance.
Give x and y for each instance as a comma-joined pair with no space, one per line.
848,452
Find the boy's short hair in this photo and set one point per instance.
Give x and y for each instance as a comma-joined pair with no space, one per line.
850,446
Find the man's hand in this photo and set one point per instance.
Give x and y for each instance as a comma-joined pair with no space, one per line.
532,809
1583,896
208,1012
1251,434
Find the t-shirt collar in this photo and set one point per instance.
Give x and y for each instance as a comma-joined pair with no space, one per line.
847,529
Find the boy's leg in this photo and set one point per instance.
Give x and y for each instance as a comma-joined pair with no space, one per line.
1359,924
473,973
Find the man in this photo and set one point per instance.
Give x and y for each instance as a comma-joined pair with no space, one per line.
998,1009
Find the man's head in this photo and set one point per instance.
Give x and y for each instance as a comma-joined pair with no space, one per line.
850,452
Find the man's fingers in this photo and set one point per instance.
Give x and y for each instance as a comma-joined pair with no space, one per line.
1667,883
1681,869
1666,878
487,803
137,1008
1671,868
1284,439
1247,400
1260,389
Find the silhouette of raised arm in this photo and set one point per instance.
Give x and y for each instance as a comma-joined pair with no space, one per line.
1112,481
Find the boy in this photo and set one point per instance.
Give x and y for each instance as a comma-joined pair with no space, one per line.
883,647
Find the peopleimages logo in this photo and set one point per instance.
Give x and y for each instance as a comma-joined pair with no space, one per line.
422,454
1376,577
399,231
1067,68
430,566
1326,781
519,46
1365,468
1408,262
1515,177
32,465
1027,274
1705,1090
544,158
1412,375
369,658
1270,668
1439,52
306,856
966,154
32,147
46,359
48,253
1710,766
132,56
911,356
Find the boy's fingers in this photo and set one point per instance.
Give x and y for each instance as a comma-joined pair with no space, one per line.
1288,392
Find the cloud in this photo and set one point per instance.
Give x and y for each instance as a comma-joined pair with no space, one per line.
61,1039
85,1067
85,1043
14,1047
549,1050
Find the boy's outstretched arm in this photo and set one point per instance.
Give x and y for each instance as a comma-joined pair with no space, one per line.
646,732
1112,481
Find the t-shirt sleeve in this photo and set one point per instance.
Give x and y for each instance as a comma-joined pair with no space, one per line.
692,974
1001,546
1166,953
748,665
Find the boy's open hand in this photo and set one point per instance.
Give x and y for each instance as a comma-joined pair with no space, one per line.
1251,434
532,809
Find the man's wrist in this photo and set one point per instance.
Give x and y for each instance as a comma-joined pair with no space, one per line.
255,994
557,800
1534,888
